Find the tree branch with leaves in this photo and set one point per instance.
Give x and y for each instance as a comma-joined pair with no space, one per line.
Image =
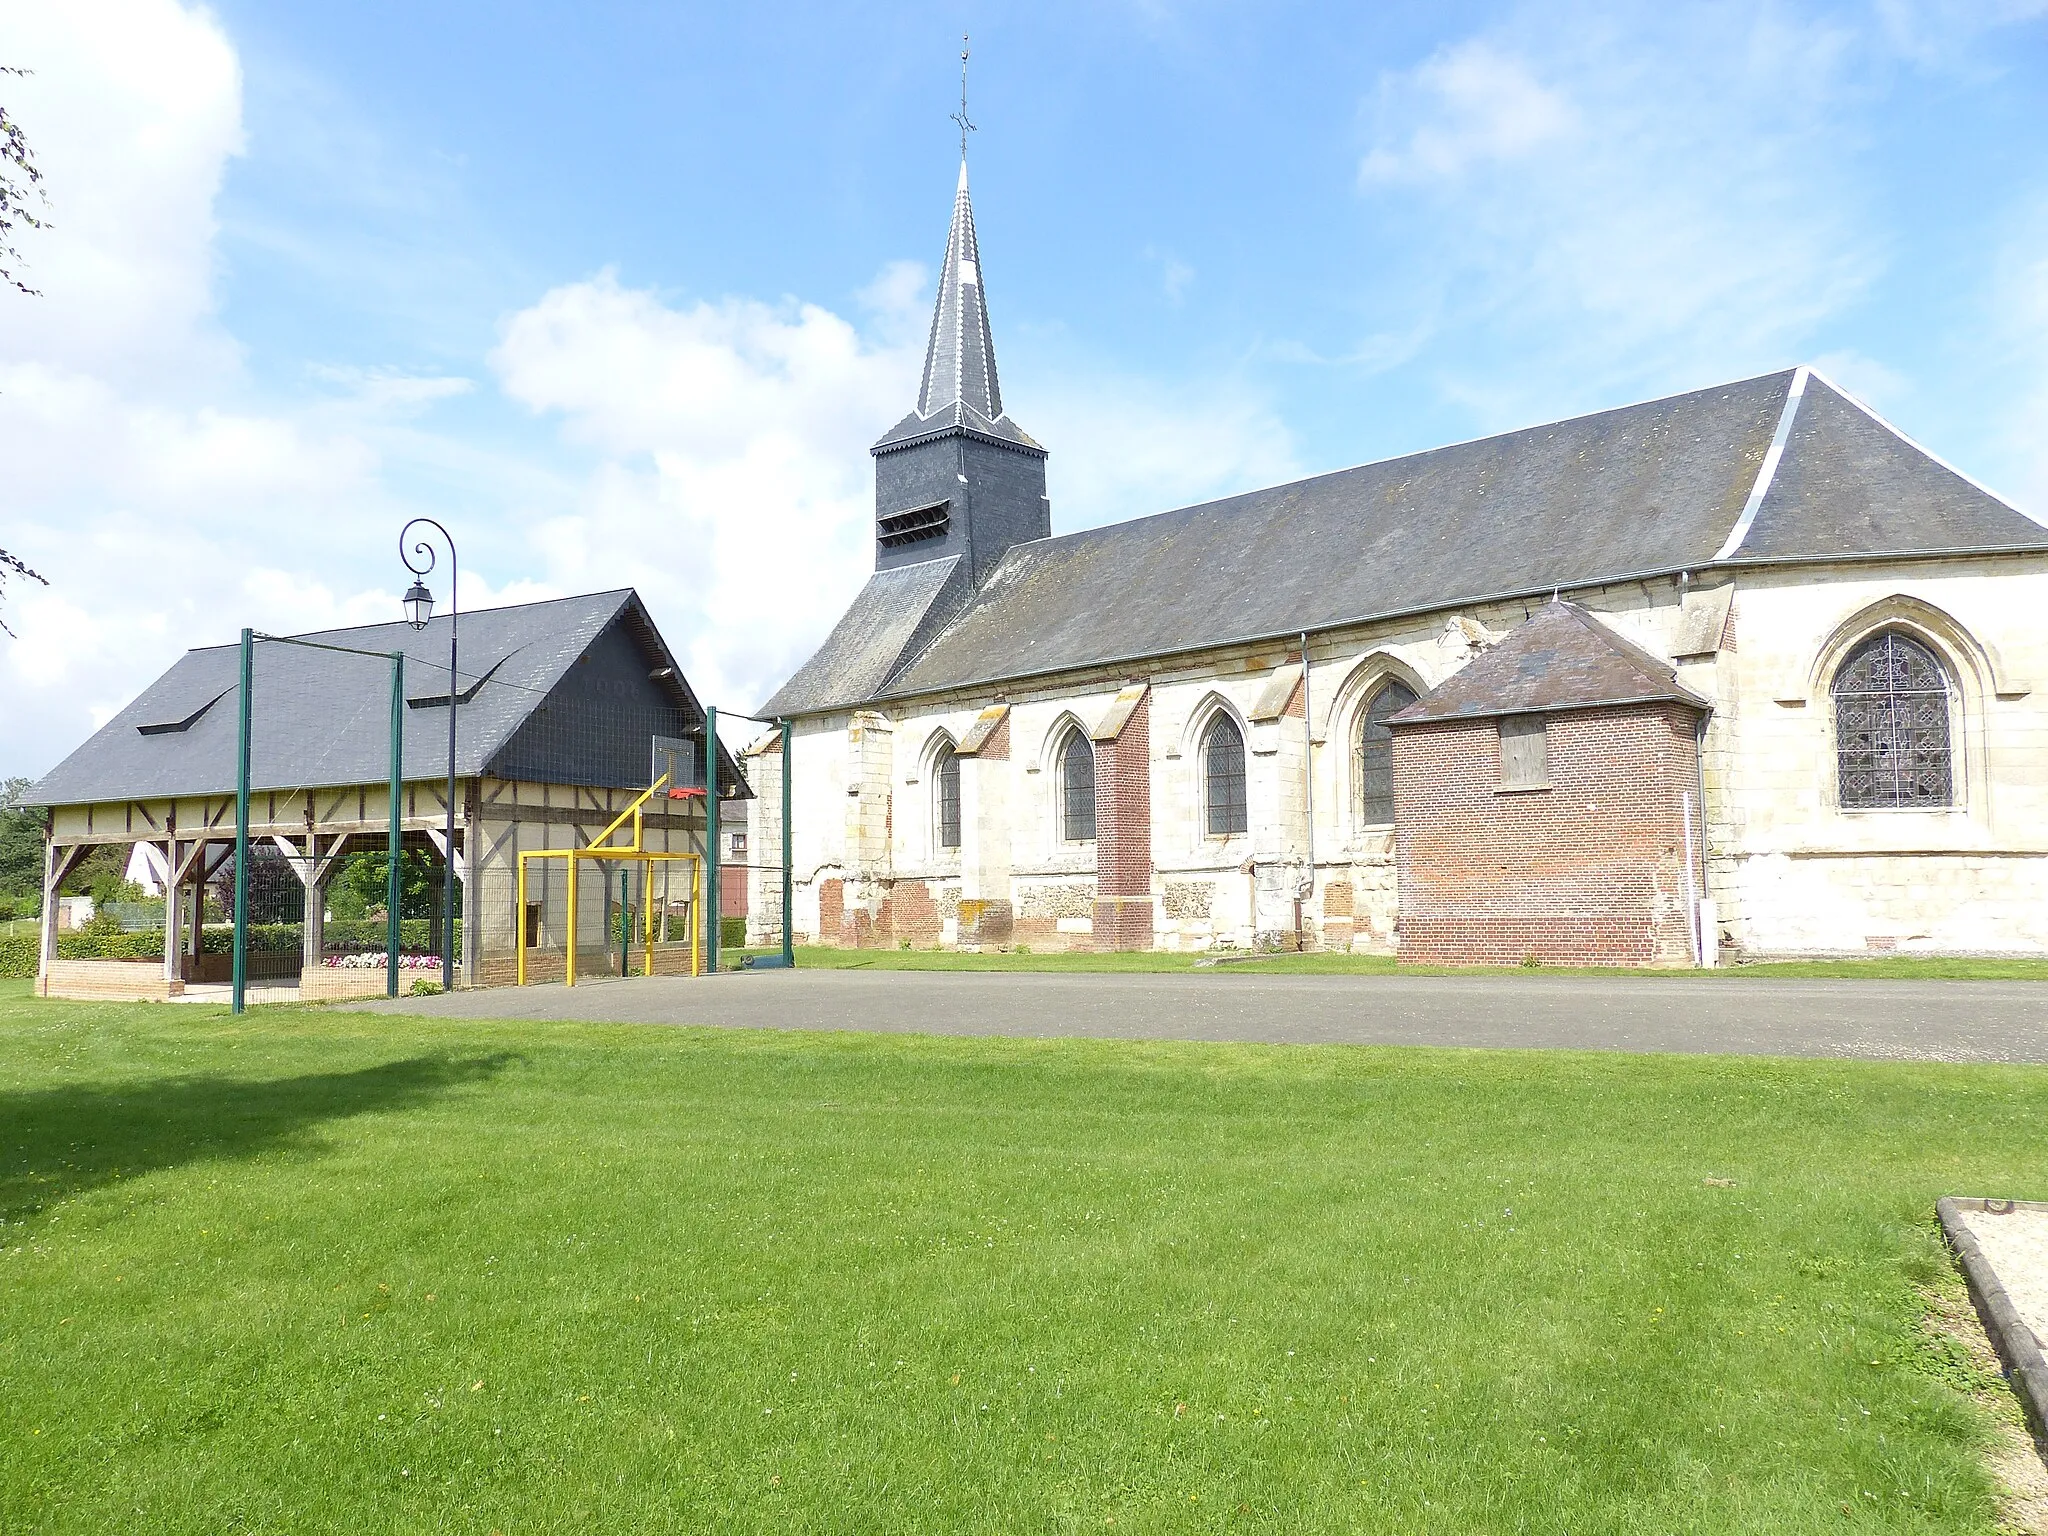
21,182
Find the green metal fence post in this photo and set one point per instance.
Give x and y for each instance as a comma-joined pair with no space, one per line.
242,825
711,933
788,853
394,937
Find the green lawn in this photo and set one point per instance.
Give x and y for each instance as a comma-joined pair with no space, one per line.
316,1271
1893,968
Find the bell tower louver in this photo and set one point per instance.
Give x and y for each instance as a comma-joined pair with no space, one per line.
957,476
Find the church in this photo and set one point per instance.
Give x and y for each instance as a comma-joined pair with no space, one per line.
1740,673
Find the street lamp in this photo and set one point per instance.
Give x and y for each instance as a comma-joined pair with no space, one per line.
419,608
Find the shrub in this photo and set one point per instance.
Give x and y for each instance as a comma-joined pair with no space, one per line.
732,933
18,955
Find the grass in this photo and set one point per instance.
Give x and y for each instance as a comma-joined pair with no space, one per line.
317,1271
1881,968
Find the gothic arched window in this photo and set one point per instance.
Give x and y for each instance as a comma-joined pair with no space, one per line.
1373,759
946,796
1223,800
1891,725
1077,788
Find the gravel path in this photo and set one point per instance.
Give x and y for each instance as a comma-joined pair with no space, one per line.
2016,1243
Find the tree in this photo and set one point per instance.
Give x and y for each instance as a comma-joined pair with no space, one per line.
11,564
20,181
358,889
21,843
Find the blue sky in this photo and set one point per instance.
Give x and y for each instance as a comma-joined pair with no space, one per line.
623,292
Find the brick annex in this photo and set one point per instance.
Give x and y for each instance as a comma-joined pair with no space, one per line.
1740,670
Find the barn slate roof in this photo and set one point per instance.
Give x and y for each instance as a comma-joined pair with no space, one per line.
1561,657
322,718
1787,461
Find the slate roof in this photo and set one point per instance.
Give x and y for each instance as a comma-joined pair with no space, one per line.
1561,658
896,613
959,390
1642,490
323,718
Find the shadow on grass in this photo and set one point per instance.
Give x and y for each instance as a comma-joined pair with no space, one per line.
59,1142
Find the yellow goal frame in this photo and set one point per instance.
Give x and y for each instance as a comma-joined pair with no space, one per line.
602,850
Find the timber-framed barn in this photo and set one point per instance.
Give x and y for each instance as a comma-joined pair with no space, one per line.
565,712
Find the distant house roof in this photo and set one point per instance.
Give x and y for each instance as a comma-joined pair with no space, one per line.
1781,467
575,687
1561,658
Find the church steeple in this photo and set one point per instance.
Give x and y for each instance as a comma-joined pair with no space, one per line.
959,388
960,359
957,476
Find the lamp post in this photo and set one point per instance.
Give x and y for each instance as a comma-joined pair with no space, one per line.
419,608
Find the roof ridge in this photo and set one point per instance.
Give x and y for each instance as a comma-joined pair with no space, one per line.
1768,469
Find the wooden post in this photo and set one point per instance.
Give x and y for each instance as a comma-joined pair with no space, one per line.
47,956
313,926
174,912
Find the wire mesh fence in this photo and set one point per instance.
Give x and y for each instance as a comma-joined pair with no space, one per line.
331,880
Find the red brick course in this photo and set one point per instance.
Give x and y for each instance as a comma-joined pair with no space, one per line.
1123,835
1590,871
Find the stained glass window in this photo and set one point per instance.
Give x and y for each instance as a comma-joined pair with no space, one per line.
1077,788
1891,725
1223,777
946,791
1374,757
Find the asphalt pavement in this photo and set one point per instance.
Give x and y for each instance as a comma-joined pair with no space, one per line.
1878,1020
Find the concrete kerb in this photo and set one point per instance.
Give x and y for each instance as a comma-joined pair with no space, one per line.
2010,1336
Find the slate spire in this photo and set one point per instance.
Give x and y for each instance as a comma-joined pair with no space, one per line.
956,479
960,359
959,387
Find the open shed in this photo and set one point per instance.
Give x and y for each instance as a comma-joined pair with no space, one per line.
565,712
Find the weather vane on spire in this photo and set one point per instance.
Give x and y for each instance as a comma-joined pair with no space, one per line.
960,117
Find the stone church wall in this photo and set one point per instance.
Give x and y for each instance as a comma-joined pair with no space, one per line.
1789,872
1795,873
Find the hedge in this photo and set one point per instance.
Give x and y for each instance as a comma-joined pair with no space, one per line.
19,951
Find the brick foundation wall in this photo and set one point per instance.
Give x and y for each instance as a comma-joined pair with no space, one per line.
914,914
137,981
1123,835
1590,871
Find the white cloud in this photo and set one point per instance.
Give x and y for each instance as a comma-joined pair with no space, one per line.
165,506
1629,199
1470,104
735,488
133,110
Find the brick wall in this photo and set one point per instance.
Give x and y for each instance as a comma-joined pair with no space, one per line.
1123,834
1590,871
